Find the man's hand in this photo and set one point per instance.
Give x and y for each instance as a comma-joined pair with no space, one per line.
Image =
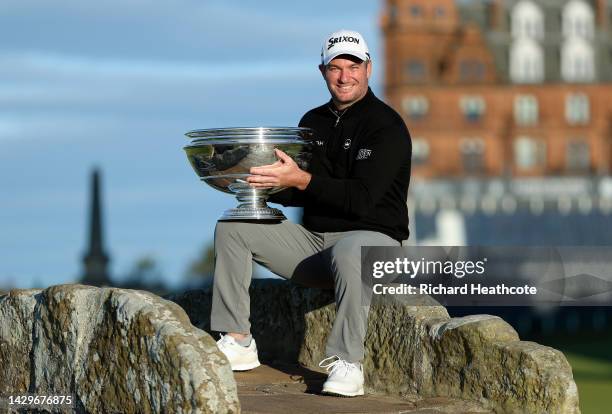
283,173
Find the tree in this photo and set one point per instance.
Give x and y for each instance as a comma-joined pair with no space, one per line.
203,267
145,272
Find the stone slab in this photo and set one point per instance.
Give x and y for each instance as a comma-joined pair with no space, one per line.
294,389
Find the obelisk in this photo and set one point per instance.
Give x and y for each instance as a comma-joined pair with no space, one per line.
95,260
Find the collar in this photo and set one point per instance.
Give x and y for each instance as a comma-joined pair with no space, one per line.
356,108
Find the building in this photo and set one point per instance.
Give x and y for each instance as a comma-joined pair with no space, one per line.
509,104
502,88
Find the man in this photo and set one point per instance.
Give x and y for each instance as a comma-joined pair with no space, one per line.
353,194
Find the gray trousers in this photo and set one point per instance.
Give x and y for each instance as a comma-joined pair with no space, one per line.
305,257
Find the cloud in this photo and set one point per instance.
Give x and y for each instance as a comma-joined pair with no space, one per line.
182,29
221,62
75,97
66,67
65,95
116,84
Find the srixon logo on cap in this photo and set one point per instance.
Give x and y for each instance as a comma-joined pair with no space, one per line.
332,41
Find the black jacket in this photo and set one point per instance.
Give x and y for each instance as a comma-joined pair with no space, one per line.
360,170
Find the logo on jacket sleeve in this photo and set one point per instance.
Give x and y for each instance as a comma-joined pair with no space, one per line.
363,154
347,143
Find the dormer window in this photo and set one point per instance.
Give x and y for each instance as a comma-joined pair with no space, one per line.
578,20
526,61
527,20
577,60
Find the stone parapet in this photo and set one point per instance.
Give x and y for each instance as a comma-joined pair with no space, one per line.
113,350
410,349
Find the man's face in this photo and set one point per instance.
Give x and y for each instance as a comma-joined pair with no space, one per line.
347,79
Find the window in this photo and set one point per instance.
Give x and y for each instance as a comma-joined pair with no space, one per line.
416,11
577,109
527,20
577,61
420,151
529,153
526,61
578,156
415,107
472,154
526,110
415,69
578,20
439,12
473,107
471,70
393,13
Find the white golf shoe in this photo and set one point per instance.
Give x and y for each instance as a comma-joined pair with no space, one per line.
345,378
241,358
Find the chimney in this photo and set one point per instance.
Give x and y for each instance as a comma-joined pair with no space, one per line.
601,11
496,15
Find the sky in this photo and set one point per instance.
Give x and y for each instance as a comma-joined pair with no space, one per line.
116,84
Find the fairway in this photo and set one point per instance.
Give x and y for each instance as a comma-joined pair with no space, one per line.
590,356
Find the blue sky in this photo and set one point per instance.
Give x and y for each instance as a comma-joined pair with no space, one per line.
115,84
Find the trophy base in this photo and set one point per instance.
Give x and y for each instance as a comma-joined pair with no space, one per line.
253,213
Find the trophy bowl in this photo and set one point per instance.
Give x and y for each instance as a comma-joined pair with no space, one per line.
223,157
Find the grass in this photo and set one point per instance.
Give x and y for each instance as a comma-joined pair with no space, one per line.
590,356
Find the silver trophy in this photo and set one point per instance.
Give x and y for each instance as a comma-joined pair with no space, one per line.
223,157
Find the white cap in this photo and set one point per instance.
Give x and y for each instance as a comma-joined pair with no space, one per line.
344,42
